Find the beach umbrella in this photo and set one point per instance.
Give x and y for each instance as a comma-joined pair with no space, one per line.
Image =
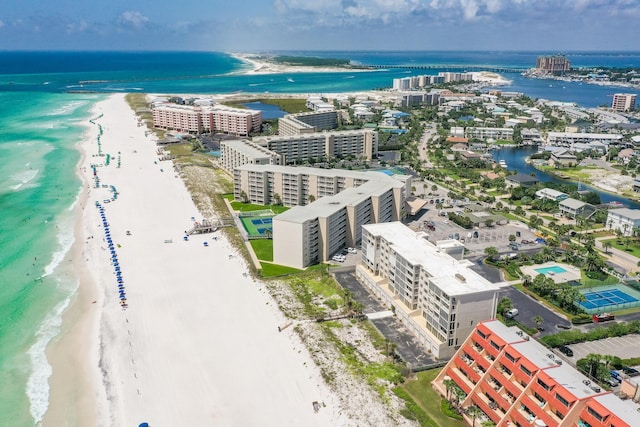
143,425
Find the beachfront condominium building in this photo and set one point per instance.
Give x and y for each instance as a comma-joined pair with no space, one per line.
359,143
624,219
198,119
624,101
556,64
311,146
314,121
329,206
430,287
516,381
234,153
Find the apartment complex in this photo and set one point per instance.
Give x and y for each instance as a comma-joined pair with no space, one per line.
557,64
414,82
315,121
236,153
624,101
329,207
624,219
431,288
518,382
198,119
567,139
486,133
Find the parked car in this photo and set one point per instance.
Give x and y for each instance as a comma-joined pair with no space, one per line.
512,313
526,242
632,372
352,250
565,350
613,382
615,375
339,258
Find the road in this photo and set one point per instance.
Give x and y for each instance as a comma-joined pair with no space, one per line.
529,308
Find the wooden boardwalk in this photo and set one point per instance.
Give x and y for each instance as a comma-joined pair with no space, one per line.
210,225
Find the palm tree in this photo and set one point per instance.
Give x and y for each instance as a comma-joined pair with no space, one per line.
607,245
474,412
538,320
593,362
491,252
449,384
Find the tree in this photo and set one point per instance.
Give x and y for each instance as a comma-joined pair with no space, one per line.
512,237
474,412
519,211
491,252
505,304
276,199
567,297
538,320
312,198
607,245
449,384
488,222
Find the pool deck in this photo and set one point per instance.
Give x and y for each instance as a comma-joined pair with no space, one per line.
571,273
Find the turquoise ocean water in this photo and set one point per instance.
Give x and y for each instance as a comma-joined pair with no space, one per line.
41,121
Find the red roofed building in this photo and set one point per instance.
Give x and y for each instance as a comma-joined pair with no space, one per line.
516,381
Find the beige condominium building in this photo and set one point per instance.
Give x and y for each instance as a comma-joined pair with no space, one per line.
329,206
624,101
431,288
236,153
295,148
314,121
198,119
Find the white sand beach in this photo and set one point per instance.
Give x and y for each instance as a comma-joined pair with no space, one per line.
199,343
258,65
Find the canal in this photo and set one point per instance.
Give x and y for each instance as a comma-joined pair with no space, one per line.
515,158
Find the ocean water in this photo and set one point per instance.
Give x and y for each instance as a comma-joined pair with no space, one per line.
42,115
37,192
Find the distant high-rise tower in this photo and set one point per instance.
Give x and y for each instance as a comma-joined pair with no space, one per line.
624,101
557,64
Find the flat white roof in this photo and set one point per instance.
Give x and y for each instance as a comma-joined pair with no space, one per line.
624,409
508,333
572,203
249,149
573,381
626,213
451,276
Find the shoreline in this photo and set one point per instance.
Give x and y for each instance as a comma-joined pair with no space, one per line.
70,355
260,66
184,351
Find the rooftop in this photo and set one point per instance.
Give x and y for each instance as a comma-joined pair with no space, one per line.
626,212
450,275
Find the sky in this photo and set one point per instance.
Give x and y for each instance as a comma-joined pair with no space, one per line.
269,25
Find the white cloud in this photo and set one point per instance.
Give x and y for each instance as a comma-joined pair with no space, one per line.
133,19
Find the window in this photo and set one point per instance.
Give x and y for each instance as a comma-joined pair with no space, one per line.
525,370
481,334
494,345
510,357
595,415
543,385
562,400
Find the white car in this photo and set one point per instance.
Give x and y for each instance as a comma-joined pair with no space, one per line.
352,250
339,258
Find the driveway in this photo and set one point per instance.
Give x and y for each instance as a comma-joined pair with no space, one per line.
529,308
407,347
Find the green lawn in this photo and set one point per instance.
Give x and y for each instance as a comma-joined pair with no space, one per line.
428,399
248,207
274,270
633,248
263,249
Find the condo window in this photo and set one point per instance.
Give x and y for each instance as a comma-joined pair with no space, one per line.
562,400
481,334
525,370
595,415
494,345
510,357
543,385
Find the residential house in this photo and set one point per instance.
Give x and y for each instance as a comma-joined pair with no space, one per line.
573,208
563,158
624,219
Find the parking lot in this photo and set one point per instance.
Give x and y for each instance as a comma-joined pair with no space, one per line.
435,223
528,308
624,347
409,349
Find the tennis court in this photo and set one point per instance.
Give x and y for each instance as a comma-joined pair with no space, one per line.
258,226
611,298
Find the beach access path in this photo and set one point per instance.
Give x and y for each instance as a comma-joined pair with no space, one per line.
199,343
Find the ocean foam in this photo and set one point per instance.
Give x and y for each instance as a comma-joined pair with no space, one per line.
65,241
23,178
38,382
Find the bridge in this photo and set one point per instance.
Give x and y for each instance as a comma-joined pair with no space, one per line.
210,225
454,67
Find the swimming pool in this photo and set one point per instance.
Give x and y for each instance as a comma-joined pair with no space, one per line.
556,269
